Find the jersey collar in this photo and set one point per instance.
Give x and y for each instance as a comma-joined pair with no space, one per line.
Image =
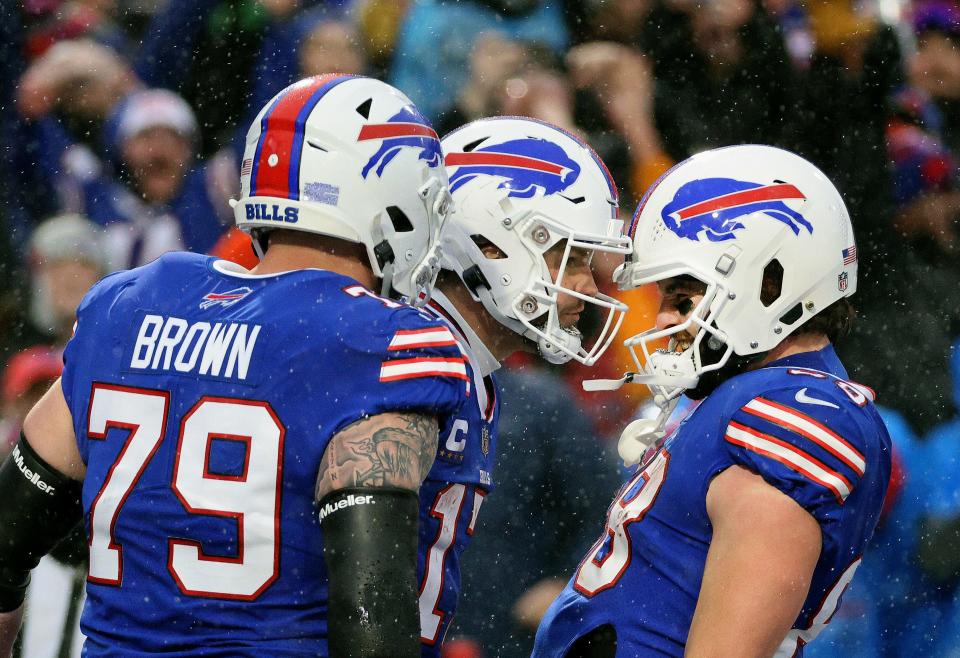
824,360
485,360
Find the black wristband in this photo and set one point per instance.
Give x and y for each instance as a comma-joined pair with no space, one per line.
370,539
40,506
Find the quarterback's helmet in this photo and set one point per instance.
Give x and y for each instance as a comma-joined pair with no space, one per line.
729,218
352,158
522,187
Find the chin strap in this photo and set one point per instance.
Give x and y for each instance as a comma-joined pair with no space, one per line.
644,433
550,346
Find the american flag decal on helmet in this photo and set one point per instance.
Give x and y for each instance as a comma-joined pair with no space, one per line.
850,255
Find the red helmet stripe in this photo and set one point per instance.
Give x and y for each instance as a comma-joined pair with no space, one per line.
387,130
501,159
281,135
779,192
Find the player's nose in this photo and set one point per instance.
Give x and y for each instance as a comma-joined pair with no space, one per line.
586,284
668,316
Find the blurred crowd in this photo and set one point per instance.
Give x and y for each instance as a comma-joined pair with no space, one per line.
123,122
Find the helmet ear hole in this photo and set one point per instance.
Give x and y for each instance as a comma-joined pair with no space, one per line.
490,250
401,223
772,283
792,315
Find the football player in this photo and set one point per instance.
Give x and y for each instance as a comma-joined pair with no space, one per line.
738,532
246,448
533,204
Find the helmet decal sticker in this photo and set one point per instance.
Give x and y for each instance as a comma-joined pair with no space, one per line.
405,129
714,206
275,169
526,165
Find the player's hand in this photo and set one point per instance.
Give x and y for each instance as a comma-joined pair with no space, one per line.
533,604
540,94
82,75
621,77
934,216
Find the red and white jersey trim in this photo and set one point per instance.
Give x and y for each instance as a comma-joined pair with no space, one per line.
791,457
805,426
408,339
423,367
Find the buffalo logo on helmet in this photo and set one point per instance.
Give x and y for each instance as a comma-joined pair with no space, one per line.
525,165
405,129
715,206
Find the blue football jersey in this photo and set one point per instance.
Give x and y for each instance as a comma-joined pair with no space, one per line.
799,424
203,398
454,490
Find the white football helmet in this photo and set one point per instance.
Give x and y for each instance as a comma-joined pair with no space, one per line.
352,158
726,217
523,186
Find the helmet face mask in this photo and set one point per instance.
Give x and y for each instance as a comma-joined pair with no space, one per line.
350,158
735,219
532,202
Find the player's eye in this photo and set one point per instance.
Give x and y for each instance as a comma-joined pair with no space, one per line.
684,305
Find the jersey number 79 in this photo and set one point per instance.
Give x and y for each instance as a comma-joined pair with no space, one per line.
252,497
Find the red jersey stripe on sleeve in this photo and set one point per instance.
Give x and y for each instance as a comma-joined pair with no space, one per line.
809,428
407,339
791,457
398,369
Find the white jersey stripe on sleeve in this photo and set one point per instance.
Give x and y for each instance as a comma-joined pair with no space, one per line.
789,456
412,339
809,428
424,367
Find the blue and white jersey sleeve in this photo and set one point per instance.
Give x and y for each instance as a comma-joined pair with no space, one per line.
405,361
810,452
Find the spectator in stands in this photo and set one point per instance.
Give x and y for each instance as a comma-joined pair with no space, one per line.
315,42
935,67
51,21
431,60
939,530
66,256
916,266
183,50
494,60
63,101
723,75
26,378
160,198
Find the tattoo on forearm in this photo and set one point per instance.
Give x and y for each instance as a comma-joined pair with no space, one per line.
386,450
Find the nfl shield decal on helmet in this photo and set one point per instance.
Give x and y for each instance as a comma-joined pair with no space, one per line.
842,281
405,129
525,165
714,207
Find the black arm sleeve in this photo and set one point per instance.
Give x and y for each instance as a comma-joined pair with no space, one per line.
38,507
370,548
